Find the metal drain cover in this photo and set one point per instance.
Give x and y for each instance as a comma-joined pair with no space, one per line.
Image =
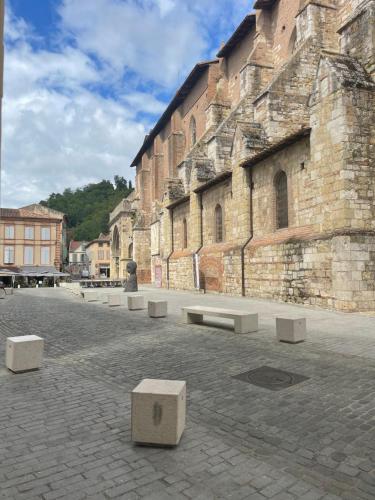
271,378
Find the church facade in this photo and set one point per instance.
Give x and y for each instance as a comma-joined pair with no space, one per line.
259,177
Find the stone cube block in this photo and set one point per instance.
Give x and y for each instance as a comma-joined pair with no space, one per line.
157,308
290,330
24,353
91,296
115,300
136,302
103,297
158,412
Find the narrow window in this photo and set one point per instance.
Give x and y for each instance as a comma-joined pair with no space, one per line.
193,131
130,251
218,224
45,256
185,234
281,188
9,255
9,232
28,257
29,233
46,233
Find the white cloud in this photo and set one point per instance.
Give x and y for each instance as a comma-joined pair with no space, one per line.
56,132
70,112
156,40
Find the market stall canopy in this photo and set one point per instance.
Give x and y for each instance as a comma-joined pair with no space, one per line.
41,271
9,272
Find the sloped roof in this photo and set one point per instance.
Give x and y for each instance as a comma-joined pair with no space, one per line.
349,71
22,213
102,238
243,29
264,4
31,212
276,147
74,245
179,97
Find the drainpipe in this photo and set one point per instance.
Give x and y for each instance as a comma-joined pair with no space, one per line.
172,250
243,248
201,231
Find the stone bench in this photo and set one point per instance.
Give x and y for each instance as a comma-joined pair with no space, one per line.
157,308
291,330
244,322
158,412
24,353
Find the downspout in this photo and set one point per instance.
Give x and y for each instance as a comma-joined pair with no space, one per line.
201,232
243,248
172,249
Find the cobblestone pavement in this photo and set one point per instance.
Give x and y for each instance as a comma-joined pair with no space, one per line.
65,429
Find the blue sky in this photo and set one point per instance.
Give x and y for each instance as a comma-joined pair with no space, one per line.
86,79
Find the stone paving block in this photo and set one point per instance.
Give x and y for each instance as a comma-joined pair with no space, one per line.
158,412
136,302
157,308
292,331
24,353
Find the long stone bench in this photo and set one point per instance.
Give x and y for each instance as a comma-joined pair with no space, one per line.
244,322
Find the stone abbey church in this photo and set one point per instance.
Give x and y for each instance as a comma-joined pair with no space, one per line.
259,177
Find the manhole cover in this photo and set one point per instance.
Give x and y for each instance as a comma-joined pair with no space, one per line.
271,378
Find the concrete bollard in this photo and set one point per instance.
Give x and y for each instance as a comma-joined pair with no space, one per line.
136,302
24,353
291,331
158,412
157,308
115,300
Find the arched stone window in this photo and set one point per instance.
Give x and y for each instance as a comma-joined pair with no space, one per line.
219,236
184,233
193,131
281,195
130,251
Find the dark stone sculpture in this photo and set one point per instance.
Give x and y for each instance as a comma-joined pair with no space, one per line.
131,284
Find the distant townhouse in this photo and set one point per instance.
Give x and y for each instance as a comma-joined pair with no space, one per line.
78,259
32,238
98,252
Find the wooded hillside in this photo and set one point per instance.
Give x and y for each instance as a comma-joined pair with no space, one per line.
87,209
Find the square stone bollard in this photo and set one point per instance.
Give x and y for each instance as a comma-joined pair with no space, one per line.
116,300
91,296
292,331
157,308
103,297
24,353
158,412
136,302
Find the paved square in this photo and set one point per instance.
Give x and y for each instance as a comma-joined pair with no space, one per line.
65,430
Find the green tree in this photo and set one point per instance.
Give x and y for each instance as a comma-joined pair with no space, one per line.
87,209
